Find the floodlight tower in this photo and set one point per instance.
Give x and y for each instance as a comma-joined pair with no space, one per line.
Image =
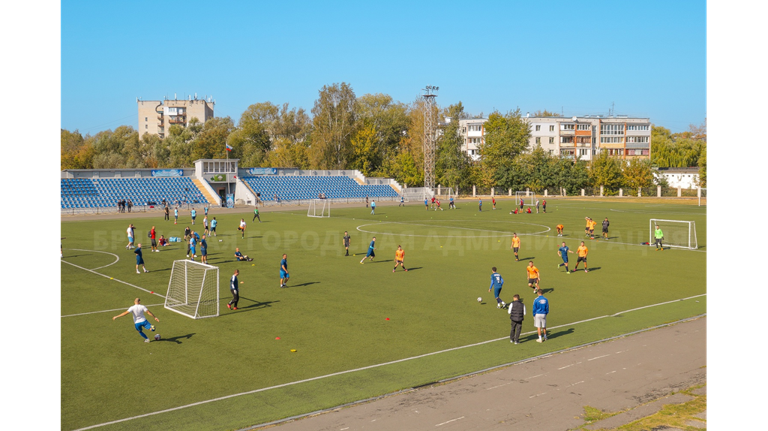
430,92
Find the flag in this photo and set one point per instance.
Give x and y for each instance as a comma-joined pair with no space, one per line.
228,147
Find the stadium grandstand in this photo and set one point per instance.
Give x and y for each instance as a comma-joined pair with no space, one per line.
215,182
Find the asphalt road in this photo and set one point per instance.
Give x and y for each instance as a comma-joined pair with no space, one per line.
547,393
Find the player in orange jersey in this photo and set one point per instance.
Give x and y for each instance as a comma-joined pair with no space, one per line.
533,276
515,246
559,229
399,257
582,251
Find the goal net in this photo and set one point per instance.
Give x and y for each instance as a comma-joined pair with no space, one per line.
677,233
193,290
529,198
319,208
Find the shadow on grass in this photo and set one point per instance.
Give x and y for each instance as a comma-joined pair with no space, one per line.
382,261
545,291
551,335
304,284
177,339
257,305
414,269
527,258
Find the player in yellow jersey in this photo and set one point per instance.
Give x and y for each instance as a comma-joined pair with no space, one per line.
533,276
559,229
515,246
399,258
582,251
592,225
586,229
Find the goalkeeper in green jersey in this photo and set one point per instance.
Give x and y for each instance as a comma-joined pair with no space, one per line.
659,235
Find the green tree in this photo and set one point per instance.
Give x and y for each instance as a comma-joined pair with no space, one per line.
546,113
334,126
210,143
389,119
76,152
637,173
364,156
451,164
506,137
606,171
250,140
703,167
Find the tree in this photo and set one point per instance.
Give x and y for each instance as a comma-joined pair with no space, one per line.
210,143
451,163
703,168
288,154
250,140
506,137
76,152
334,126
606,171
364,156
546,113
637,173
389,119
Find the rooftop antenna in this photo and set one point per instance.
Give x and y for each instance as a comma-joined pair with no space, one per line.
195,96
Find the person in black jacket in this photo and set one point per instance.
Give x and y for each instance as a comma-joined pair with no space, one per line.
516,315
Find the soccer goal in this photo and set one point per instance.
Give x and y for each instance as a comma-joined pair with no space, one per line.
529,197
319,208
677,233
193,290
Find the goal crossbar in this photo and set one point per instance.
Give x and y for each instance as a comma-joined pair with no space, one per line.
529,197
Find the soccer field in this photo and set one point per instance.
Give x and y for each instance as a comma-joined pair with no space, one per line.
359,331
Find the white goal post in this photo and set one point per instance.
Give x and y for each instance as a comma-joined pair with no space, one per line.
677,233
319,208
193,290
529,198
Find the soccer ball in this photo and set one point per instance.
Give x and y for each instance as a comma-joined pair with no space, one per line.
479,299
157,337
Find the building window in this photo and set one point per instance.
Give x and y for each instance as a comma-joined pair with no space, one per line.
551,141
552,128
637,139
566,139
637,127
611,140
567,127
146,127
538,141
550,151
145,118
612,129
583,127
538,128
583,152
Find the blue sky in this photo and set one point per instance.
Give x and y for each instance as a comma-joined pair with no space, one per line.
648,58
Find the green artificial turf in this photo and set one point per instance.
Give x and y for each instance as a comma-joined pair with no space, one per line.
335,311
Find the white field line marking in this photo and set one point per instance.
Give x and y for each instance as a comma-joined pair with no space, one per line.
533,377
498,386
340,373
537,395
598,357
117,258
115,279
568,366
610,372
447,422
105,311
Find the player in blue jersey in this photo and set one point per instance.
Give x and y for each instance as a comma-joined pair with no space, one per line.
139,259
193,213
203,250
402,201
205,208
176,215
213,226
371,249
540,312
563,253
426,203
373,207
192,246
284,276
451,205
234,289
496,284
480,204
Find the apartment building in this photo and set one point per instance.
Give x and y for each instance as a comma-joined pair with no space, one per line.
157,116
580,138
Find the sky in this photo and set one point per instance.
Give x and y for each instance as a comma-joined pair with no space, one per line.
644,59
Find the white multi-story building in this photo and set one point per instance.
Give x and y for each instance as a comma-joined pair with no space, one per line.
576,137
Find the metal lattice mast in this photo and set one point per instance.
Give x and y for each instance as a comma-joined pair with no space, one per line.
429,135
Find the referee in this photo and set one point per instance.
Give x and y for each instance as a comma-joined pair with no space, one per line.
233,287
346,242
